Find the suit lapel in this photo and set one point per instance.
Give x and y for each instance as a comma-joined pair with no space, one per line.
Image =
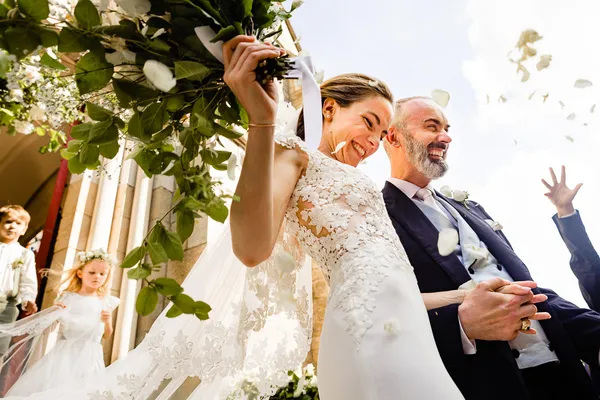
498,247
405,212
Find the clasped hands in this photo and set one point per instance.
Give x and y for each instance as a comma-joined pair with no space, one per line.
494,309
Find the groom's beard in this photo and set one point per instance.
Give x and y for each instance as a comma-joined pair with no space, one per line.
418,155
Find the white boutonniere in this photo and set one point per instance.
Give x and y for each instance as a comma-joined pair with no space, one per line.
18,263
495,225
457,195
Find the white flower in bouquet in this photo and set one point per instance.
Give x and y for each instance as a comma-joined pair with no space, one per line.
159,75
38,112
309,370
24,127
300,388
17,95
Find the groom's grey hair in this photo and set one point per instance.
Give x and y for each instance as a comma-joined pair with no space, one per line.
399,116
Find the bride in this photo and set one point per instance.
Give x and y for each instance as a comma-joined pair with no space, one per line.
376,341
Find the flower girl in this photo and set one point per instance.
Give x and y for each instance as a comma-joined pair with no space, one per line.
83,312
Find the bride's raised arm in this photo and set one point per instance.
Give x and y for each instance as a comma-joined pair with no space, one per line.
268,175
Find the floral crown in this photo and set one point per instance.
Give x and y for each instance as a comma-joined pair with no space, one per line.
85,257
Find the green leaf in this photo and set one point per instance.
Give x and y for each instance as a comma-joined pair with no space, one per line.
133,257
227,133
81,131
146,301
75,167
185,224
225,34
157,253
93,73
190,70
185,303
3,11
173,246
71,41
109,150
20,41
203,125
168,287
104,132
66,154
247,7
51,62
123,96
96,112
174,312
89,155
217,211
200,306
86,14
128,91
135,128
36,9
215,157
48,37
154,117
141,272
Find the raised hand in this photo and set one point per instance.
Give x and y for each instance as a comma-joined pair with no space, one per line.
29,307
241,56
559,193
105,317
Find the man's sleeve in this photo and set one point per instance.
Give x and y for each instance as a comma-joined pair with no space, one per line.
28,286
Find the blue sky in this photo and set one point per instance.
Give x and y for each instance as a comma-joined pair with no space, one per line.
500,151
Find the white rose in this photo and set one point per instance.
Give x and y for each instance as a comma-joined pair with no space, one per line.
159,75
23,127
460,195
231,166
135,8
309,370
447,241
446,191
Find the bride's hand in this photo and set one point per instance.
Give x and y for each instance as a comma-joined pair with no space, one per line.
241,56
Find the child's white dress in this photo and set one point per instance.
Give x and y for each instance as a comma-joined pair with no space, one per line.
78,354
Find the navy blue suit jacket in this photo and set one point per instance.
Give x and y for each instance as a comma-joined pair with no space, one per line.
585,261
492,372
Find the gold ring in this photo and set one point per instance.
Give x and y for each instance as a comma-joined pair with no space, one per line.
525,325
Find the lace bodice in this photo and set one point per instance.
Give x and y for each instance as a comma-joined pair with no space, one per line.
338,215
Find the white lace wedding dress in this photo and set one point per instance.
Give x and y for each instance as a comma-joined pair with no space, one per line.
377,342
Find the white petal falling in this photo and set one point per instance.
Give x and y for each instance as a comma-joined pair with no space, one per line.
339,147
526,73
545,97
516,143
571,117
531,95
585,124
487,99
158,33
582,83
441,97
447,241
593,109
501,99
562,105
231,166
544,62
569,138
159,75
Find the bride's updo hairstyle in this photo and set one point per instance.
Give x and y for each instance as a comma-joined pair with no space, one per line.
347,89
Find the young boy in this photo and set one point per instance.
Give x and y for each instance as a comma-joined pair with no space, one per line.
18,280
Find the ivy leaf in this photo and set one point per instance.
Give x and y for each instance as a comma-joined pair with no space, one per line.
86,14
109,150
190,70
174,312
185,303
146,301
75,167
51,62
93,73
157,253
81,131
154,117
168,287
141,272
217,211
133,257
89,155
225,34
71,41
104,132
96,112
185,224
36,9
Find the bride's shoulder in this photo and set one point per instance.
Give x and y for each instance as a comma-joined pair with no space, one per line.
292,149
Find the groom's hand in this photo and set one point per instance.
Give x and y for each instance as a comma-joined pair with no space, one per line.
494,309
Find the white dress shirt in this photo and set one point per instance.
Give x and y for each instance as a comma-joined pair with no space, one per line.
10,254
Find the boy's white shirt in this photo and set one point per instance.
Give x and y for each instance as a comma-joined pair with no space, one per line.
9,254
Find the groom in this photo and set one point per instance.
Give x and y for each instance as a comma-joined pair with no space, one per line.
480,342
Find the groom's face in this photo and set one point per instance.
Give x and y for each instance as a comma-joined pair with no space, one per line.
424,135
